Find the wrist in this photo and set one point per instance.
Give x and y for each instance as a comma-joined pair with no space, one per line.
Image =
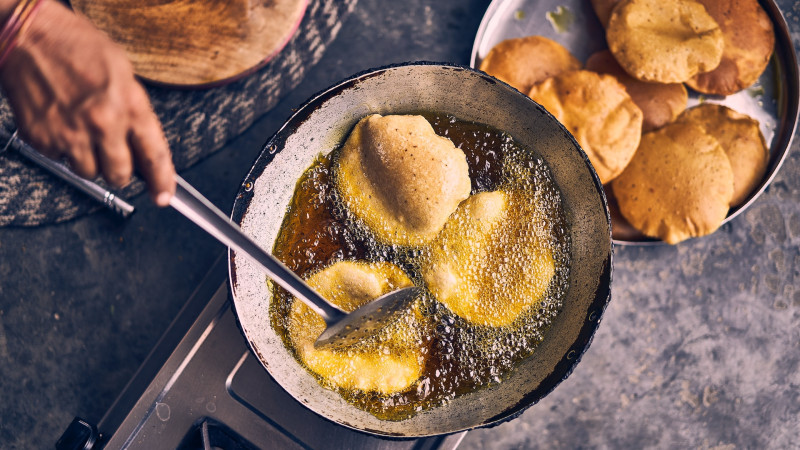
16,25
6,8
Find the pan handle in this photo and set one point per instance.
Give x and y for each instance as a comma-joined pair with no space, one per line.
189,202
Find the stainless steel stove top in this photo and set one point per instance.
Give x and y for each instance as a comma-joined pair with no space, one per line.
202,388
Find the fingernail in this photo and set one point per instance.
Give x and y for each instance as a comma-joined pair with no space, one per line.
163,198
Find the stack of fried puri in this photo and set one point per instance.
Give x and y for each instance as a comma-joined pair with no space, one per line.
717,47
686,175
677,184
523,62
599,113
656,49
660,102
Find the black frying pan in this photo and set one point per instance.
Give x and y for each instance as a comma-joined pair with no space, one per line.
323,123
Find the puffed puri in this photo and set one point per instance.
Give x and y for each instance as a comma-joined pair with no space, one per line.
400,178
678,185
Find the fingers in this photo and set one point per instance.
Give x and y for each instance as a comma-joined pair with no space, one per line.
108,126
82,160
115,160
152,156
118,133
128,132
75,147
110,136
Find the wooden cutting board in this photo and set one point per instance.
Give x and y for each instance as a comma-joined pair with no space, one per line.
196,43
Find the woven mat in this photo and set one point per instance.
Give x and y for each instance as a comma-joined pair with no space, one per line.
196,122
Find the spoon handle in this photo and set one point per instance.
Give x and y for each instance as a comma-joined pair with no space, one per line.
204,214
90,188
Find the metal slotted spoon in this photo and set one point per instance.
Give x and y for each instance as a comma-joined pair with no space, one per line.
342,328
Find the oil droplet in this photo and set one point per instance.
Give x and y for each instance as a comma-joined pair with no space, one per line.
756,91
162,411
561,19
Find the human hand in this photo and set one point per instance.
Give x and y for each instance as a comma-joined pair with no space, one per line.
74,95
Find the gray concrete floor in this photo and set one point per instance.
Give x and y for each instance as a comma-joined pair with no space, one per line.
700,346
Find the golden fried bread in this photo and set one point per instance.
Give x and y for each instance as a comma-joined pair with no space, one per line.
603,10
400,178
660,103
749,40
488,265
390,362
598,111
678,185
664,41
740,137
523,62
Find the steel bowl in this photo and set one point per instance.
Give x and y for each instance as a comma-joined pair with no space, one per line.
774,100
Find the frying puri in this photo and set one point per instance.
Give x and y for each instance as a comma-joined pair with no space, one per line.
488,265
389,362
520,203
400,178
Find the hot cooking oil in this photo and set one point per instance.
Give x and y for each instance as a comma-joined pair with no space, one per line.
460,356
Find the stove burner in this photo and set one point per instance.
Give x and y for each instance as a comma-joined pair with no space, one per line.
212,435
201,388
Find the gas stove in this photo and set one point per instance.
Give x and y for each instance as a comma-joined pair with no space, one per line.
202,388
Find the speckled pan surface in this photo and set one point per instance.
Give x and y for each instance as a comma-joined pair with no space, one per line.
323,123
772,100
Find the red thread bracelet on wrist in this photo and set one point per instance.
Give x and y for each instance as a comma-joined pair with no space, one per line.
11,24
15,26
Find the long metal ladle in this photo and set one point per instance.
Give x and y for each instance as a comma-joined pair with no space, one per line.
342,328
